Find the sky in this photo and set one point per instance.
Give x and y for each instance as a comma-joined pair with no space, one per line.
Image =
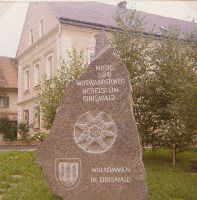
12,16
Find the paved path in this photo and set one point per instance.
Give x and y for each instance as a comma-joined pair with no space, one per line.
18,147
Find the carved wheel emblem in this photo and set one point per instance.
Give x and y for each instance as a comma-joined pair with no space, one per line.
95,132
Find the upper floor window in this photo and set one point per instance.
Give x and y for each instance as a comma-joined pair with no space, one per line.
90,55
41,28
49,66
4,102
26,80
31,37
66,44
36,74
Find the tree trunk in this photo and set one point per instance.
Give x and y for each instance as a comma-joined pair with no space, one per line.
174,154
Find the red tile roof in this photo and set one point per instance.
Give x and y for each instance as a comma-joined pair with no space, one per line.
8,72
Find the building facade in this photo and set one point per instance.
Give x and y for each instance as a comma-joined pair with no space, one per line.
53,28
43,41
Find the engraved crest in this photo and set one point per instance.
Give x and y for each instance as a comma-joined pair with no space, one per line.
67,171
95,132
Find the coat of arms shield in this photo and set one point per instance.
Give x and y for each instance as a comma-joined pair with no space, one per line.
67,171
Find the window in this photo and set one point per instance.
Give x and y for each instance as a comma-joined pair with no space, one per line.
26,116
90,56
36,74
49,65
41,28
4,102
37,117
31,38
66,44
65,47
26,80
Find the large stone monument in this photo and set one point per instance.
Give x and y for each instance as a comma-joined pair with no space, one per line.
93,150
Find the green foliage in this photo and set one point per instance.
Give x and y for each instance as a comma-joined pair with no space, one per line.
8,128
39,136
52,90
172,90
132,46
163,77
23,130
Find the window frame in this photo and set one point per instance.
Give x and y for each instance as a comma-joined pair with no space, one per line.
26,111
26,81
31,36
36,82
6,104
51,67
41,27
90,51
37,109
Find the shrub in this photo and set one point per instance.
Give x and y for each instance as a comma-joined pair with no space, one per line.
39,136
8,128
23,130
52,90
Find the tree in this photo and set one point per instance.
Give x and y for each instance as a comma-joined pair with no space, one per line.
52,90
173,89
164,84
131,45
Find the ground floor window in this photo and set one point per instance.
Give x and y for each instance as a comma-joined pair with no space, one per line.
26,116
4,102
37,117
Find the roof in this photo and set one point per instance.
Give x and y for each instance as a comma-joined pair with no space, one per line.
8,72
105,15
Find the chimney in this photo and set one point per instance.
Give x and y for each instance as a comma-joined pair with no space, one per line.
122,4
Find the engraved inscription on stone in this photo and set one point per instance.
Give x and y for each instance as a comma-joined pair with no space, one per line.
95,132
104,87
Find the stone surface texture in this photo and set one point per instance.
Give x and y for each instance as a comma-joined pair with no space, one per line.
93,151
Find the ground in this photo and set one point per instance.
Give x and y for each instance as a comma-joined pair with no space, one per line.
21,178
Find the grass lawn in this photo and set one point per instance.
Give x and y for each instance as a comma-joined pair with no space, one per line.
166,182
21,178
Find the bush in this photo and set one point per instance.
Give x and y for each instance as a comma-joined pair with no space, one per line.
39,136
23,130
52,90
8,128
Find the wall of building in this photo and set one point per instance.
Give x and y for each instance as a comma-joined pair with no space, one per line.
38,54
36,12
10,111
57,43
80,38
